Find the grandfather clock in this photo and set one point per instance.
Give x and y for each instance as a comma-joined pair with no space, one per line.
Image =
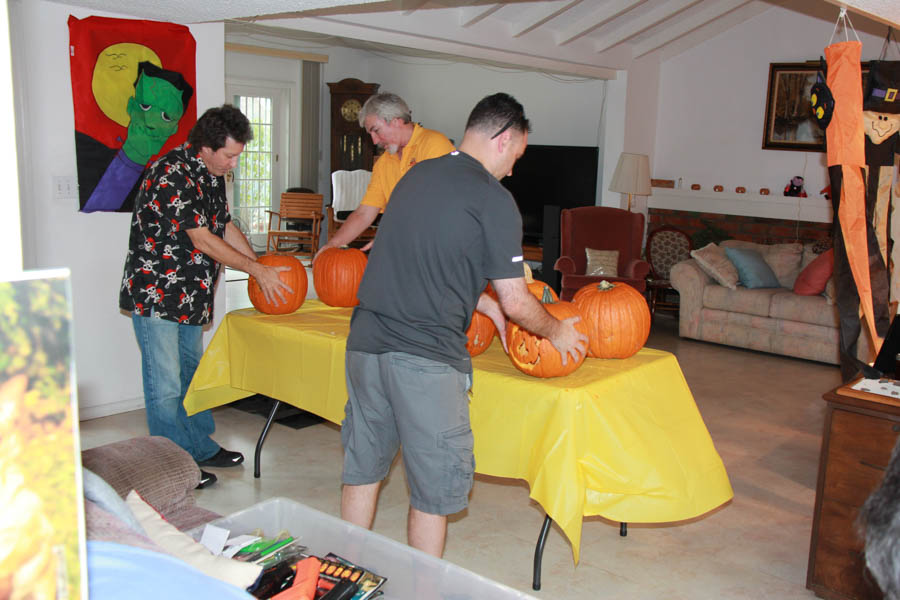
351,146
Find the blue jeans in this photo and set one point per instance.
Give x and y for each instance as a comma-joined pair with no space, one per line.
169,356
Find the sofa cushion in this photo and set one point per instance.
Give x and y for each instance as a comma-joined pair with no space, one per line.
803,309
741,300
815,276
784,259
185,548
714,263
163,473
753,272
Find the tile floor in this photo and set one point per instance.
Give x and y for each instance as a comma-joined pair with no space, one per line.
764,413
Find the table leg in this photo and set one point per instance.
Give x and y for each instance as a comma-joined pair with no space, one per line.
539,553
262,437
623,529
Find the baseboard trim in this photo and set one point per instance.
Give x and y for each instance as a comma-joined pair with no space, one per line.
86,413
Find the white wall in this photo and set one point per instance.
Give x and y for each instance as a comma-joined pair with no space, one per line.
712,103
55,234
10,228
562,110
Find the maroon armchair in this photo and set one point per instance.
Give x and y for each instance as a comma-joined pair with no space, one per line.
600,228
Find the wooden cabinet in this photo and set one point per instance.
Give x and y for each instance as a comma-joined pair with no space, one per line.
860,432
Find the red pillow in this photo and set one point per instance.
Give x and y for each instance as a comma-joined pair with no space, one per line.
813,278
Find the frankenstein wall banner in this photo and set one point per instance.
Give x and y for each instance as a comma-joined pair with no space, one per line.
133,91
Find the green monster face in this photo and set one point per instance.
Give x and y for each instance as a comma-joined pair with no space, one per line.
155,110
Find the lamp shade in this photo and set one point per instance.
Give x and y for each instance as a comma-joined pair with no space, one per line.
632,175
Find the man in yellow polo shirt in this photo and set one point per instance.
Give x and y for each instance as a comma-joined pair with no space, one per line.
387,118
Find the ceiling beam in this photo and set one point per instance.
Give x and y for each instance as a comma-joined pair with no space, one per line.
411,6
607,12
469,15
540,17
676,30
657,15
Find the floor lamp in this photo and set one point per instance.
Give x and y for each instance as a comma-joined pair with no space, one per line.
632,176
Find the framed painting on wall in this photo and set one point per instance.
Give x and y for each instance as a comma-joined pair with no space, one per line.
789,123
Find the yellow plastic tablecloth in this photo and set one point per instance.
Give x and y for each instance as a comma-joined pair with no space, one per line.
622,439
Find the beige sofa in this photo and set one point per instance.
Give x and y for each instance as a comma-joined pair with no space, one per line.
770,320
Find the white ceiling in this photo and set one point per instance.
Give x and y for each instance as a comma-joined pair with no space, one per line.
581,37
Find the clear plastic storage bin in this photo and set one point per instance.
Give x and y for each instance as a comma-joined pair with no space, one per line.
410,574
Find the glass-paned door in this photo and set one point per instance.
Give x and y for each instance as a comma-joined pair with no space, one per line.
253,177
258,178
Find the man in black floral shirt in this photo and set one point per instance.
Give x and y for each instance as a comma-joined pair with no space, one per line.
180,233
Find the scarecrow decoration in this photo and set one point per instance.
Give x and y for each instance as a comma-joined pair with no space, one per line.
861,141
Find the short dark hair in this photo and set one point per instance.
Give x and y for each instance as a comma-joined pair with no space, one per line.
217,124
173,77
496,113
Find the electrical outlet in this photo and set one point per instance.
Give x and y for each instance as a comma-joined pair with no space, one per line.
65,187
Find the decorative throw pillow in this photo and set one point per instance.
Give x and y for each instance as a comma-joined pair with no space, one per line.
830,293
783,259
602,262
753,271
715,263
813,278
182,546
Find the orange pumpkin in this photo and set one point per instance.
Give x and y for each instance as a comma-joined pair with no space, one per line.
480,333
295,278
617,316
535,355
538,287
336,275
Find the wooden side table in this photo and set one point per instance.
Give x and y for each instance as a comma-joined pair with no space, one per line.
860,432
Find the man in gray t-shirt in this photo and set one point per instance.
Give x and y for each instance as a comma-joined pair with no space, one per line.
450,228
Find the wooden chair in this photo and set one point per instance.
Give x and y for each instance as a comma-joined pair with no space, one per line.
305,209
347,191
666,246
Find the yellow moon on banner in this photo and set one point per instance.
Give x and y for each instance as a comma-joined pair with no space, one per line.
115,72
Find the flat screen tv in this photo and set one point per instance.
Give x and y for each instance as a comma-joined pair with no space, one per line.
564,176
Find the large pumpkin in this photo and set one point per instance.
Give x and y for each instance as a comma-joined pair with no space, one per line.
617,316
480,333
295,278
535,355
336,275
537,287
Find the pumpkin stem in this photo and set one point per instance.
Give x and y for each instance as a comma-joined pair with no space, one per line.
529,278
547,297
605,286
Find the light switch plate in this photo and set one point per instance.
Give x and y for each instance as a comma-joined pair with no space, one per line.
65,187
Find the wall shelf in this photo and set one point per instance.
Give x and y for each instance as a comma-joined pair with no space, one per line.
816,210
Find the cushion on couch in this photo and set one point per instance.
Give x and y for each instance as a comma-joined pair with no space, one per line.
185,548
814,310
784,259
815,276
740,300
753,271
161,472
714,263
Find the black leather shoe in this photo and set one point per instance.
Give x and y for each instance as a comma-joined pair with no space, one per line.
206,479
223,458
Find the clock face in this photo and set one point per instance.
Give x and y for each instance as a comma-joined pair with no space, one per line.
350,109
